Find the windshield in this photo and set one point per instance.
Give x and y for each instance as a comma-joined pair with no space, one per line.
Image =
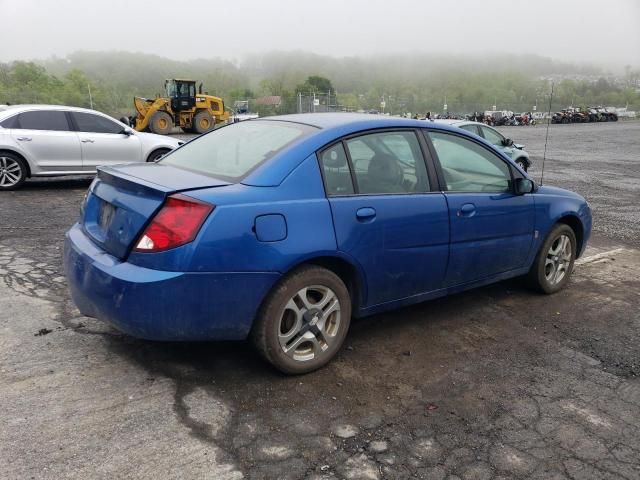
232,152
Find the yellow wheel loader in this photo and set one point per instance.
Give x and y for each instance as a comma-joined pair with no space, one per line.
182,107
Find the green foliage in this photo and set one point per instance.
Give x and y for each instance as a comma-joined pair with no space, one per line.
315,84
408,83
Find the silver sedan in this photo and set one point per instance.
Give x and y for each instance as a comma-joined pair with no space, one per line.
52,140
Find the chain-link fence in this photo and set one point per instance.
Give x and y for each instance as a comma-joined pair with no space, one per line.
317,102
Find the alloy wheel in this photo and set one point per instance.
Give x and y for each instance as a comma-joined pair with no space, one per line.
558,260
309,323
10,172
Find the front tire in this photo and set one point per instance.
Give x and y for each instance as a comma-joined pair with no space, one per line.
304,320
161,123
203,122
553,265
13,171
157,154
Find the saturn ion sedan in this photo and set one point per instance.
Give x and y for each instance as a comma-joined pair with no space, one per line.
52,140
282,229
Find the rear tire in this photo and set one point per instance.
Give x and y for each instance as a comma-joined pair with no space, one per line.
304,320
203,122
161,123
554,262
13,171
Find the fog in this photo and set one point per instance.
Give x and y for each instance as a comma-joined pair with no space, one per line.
605,33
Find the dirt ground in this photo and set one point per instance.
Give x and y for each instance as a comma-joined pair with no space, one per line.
495,383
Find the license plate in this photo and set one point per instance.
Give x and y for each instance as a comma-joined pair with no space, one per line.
105,217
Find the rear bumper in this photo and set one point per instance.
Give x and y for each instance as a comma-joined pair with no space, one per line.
159,305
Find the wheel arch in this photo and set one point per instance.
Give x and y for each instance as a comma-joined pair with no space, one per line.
157,149
22,157
578,229
345,269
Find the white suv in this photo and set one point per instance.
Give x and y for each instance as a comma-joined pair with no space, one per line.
48,140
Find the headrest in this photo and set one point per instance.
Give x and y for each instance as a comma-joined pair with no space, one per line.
334,158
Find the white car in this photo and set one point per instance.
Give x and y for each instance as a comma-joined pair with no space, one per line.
514,151
50,140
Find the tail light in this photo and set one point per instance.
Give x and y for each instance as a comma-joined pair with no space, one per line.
177,223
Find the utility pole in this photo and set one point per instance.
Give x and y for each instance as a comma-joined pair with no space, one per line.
90,98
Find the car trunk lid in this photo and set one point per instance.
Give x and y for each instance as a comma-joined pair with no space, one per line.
122,200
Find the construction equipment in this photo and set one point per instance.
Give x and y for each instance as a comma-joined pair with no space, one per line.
241,111
181,107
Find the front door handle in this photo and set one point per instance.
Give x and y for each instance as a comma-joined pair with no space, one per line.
365,214
467,210
87,140
24,139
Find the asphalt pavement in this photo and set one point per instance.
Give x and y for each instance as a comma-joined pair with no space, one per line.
495,383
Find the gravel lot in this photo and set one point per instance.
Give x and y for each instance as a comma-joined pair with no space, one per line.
495,383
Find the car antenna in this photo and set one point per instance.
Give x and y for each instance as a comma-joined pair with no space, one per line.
546,138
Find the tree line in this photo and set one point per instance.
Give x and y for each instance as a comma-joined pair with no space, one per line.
406,83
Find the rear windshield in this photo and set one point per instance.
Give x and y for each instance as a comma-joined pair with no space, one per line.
232,152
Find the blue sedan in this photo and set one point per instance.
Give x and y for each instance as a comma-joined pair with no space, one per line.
282,229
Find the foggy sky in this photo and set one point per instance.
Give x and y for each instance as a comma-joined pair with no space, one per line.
602,32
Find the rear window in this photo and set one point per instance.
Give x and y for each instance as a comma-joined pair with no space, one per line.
11,122
232,152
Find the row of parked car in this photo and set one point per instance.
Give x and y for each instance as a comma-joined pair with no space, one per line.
577,115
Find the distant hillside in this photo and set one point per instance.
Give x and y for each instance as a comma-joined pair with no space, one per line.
408,82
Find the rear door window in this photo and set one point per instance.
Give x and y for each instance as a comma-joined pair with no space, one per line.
91,123
388,162
52,120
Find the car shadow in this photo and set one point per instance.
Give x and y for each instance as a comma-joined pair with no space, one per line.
236,363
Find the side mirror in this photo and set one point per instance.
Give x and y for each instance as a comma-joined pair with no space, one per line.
524,185
127,131
507,142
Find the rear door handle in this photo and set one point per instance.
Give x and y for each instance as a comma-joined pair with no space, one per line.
24,139
87,140
467,210
365,213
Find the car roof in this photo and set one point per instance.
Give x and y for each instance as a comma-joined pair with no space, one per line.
329,128
340,119
9,110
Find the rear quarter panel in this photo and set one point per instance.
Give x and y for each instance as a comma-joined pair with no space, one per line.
227,241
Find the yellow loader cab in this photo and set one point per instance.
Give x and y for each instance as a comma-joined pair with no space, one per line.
182,107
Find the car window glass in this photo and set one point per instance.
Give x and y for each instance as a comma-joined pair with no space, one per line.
44,120
11,122
335,169
493,137
233,151
388,162
88,122
469,167
471,128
